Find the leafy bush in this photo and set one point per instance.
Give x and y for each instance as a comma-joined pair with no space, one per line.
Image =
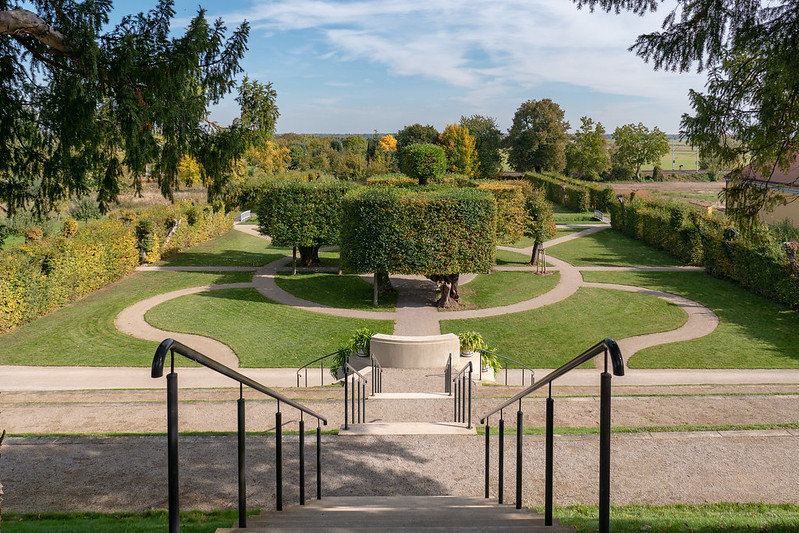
33,234
85,208
70,227
391,180
424,162
510,214
147,240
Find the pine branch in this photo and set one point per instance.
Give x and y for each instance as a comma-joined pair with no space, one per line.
24,22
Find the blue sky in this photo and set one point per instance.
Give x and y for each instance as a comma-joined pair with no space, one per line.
355,66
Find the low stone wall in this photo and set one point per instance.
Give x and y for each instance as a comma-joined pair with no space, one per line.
400,351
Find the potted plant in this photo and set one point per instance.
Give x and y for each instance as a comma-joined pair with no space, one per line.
339,360
471,341
359,342
490,361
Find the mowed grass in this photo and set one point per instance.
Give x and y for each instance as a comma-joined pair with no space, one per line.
700,518
610,248
348,291
83,332
505,288
753,332
550,336
234,248
506,257
144,522
261,332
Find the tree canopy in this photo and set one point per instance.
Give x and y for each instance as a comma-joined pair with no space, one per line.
636,146
537,139
586,152
487,139
81,104
750,108
459,146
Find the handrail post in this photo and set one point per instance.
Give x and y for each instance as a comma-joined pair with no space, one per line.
501,473
519,433
487,460
360,386
172,452
318,461
604,453
346,392
448,376
302,461
242,441
279,460
469,426
549,460
352,402
364,402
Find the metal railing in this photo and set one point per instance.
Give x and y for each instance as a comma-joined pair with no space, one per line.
507,360
462,383
377,376
321,367
608,347
169,346
358,391
448,376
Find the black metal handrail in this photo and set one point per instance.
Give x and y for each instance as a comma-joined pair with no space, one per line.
608,347
463,401
377,376
170,346
507,360
359,390
448,376
321,367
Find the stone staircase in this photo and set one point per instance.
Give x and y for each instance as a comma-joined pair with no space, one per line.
399,514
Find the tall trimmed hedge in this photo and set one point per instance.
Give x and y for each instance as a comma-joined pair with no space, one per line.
434,232
424,162
580,196
695,237
301,213
511,215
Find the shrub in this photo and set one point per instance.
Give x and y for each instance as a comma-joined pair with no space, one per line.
147,240
85,208
510,213
391,180
424,162
33,234
70,227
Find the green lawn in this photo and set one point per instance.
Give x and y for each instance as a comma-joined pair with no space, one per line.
145,522
564,215
700,518
234,248
552,335
261,332
348,291
753,333
610,248
505,288
83,334
505,257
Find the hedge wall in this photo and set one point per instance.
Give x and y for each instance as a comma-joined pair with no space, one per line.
39,277
434,232
510,214
580,195
391,180
301,214
757,263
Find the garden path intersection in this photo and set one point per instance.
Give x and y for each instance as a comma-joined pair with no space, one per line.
648,466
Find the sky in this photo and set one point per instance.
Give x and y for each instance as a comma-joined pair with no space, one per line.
356,66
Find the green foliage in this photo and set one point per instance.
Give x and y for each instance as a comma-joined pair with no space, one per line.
470,341
636,146
752,259
416,134
459,146
355,144
586,151
36,278
147,240
301,214
259,111
487,140
391,180
424,162
511,215
443,231
540,223
81,108
537,138
580,196
85,208
351,166
359,341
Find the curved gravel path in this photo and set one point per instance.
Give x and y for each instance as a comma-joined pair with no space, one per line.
415,314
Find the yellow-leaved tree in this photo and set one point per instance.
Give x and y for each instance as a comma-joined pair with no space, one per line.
189,171
461,151
387,143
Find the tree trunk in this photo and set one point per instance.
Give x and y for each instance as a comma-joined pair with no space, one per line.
534,257
24,22
382,286
448,284
309,255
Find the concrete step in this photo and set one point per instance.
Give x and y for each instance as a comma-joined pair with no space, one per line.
396,514
407,428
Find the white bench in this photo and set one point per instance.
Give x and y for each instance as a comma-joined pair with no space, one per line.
599,215
245,215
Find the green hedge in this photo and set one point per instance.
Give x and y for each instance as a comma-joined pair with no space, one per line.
443,231
39,277
581,196
510,213
695,237
301,214
392,180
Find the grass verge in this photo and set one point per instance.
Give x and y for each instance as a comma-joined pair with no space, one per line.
83,332
348,291
234,248
506,257
753,332
144,522
550,336
610,248
505,288
698,518
261,332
